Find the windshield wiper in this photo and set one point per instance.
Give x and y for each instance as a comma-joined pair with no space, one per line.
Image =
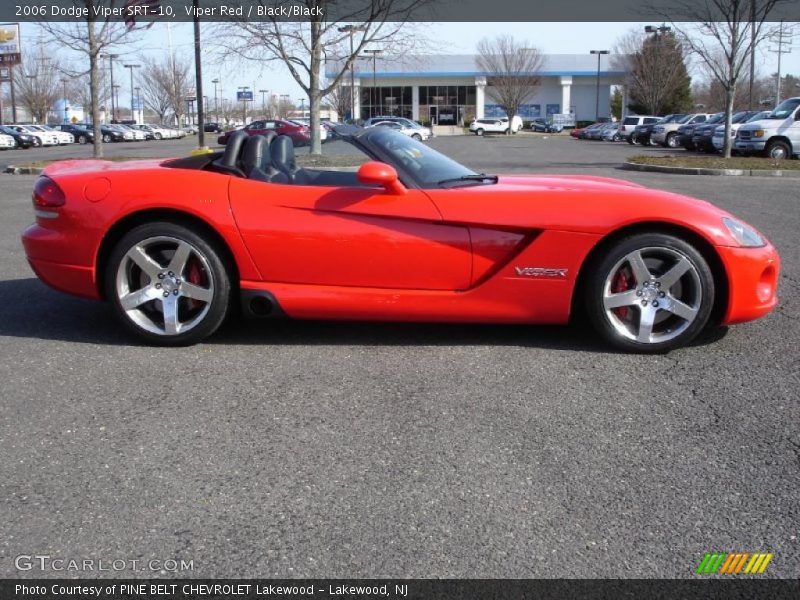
477,177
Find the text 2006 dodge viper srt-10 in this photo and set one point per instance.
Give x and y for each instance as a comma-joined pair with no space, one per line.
411,236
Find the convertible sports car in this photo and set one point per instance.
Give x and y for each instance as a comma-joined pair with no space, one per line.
411,236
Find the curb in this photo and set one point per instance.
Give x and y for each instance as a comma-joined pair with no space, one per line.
628,166
12,170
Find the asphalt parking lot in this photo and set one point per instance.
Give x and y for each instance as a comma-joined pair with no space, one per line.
314,449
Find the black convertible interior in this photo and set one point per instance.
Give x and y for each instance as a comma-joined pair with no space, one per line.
269,158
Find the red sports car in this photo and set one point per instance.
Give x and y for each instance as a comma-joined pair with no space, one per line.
411,236
299,133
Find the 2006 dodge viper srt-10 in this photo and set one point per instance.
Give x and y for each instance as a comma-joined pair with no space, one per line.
411,236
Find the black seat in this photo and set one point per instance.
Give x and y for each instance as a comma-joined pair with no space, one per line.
231,158
257,161
282,150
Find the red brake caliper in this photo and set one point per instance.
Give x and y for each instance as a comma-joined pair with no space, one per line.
623,281
195,277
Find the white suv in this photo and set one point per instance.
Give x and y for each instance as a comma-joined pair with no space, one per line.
630,122
495,125
777,135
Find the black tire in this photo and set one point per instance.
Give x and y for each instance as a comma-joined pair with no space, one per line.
106,138
37,143
204,251
778,150
417,137
660,252
158,136
82,140
479,132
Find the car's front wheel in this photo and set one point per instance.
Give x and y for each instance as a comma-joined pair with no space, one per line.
778,150
650,292
168,284
479,132
417,137
672,140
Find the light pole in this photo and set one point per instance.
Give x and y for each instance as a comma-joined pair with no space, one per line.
350,30
243,89
216,102
111,58
139,103
597,95
263,101
282,109
131,68
374,55
66,108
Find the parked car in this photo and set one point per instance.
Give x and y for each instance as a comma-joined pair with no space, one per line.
424,132
629,124
43,138
495,125
417,134
686,131
611,134
777,135
81,134
212,127
641,133
22,140
598,132
666,134
586,131
323,133
394,241
702,138
138,134
542,125
111,134
64,138
7,142
157,133
298,133
718,139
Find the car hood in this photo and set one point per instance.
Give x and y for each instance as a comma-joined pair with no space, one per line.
587,204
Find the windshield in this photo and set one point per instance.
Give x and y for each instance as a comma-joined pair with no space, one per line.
784,109
715,119
685,119
758,116
421,162
672,119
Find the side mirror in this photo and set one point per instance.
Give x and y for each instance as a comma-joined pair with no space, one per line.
378,173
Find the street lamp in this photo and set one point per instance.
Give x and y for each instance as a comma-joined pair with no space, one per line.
111,58
131,68
264,101
653,29
597,95
244,88
216,102
374,56
66,108
350,30
139,102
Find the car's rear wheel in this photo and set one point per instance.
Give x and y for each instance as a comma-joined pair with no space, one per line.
417,137
650,293
82,140
778,150
106,139
479,132
168,284
158,136
672,140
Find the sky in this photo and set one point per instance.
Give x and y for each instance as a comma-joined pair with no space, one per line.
450,38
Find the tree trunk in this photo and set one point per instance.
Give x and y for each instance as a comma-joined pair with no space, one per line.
313,86
729,95
93,85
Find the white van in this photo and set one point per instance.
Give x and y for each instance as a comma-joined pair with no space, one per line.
776,136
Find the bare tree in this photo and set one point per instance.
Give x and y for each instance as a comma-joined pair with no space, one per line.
38,83
513,67
91,37
722,34
339,99
655,71
165,87
304,46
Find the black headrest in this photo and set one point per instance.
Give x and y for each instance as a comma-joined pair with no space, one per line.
282,150
256,154
233,149
270,135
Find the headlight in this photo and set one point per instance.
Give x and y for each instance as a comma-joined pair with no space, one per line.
744,235
758,133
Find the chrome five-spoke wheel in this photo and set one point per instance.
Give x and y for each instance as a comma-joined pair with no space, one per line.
168,284
651,292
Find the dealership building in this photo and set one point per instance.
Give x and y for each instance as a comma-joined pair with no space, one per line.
452,90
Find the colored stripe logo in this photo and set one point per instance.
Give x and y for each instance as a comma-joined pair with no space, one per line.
734,563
